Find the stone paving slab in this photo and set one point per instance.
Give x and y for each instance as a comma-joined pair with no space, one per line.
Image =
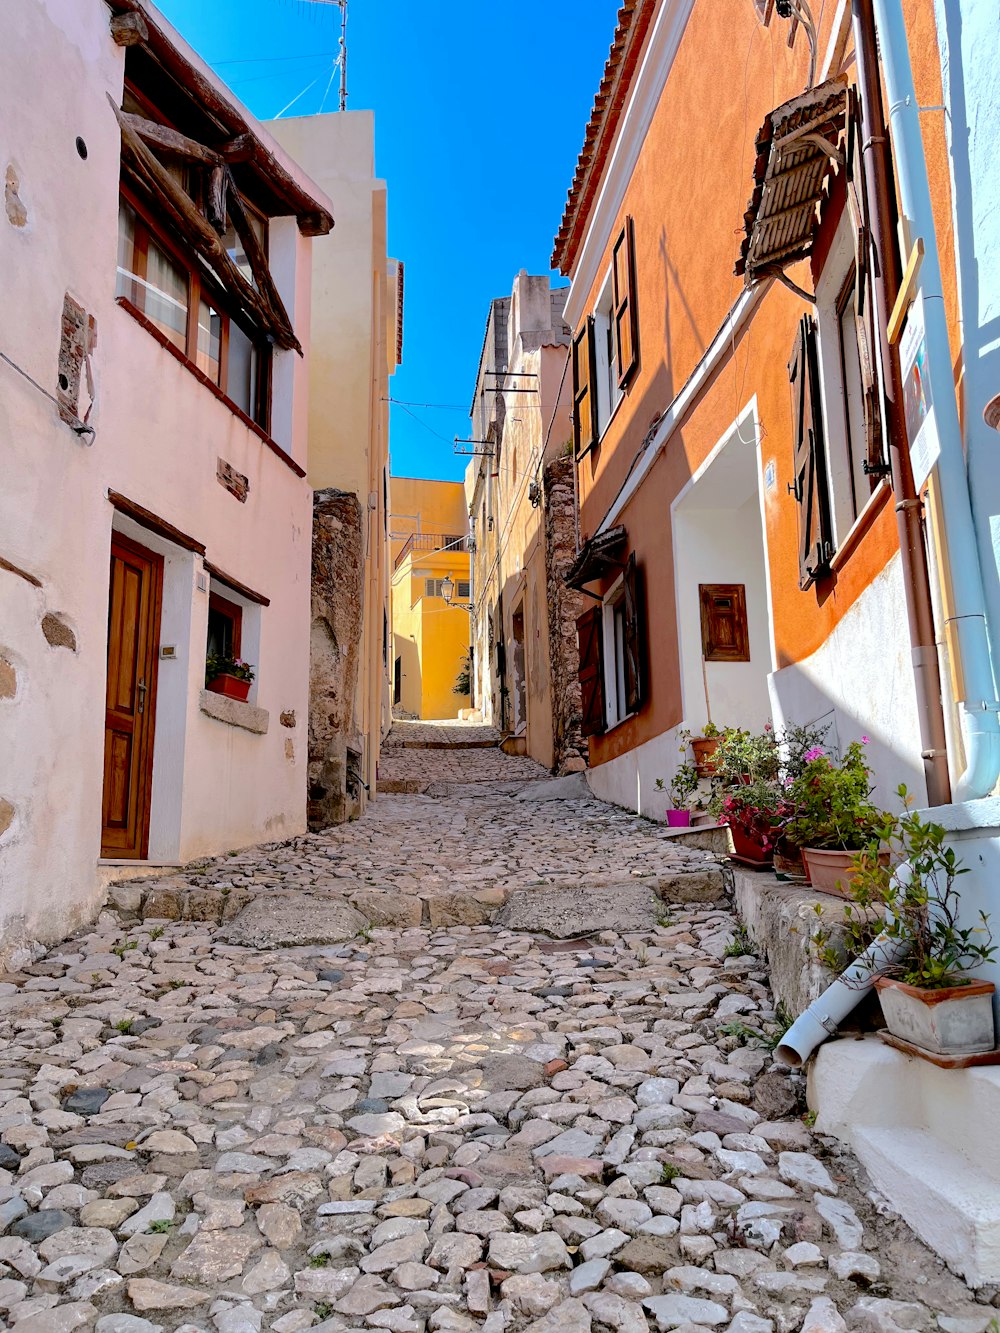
431,1127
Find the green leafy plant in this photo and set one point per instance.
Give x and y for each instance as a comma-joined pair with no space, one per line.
319,1261
463,681
681,787
743,1032
323,1310
161,1227
227,666
156,932
809,1119
912,899
833,805
124,1026
740,945
669,1173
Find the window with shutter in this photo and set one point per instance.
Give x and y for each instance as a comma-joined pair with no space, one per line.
590,634
812,490
864,298
584,397
633,636
724,633
626,312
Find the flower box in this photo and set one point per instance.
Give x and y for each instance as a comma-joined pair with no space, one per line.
678,818
956,1020
233,687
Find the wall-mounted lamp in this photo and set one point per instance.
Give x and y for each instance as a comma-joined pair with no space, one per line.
448,593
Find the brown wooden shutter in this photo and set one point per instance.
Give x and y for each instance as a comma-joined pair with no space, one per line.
725,636
864,296
590,634
626,310
584,389
812,488
634,638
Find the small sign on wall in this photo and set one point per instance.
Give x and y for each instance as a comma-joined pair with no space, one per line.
918,405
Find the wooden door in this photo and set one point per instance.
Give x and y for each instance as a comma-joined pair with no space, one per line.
133,642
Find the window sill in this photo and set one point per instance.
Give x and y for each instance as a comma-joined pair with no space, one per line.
234,712
613,726
614,412
857,530
213,388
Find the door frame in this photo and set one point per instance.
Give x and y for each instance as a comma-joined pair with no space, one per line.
144,776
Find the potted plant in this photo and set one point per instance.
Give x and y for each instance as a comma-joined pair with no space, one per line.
929,1001
229,676
681,788
834,816
754,812
795,742
704,747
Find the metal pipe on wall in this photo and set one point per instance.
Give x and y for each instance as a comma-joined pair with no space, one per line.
885,284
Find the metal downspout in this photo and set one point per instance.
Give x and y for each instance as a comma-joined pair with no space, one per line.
967,624
885,285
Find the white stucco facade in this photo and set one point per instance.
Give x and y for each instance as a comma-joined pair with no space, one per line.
158,436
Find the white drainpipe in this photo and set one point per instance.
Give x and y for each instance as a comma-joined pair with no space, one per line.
961,554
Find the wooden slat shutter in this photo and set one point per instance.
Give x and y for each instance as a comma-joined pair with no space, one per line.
635,672
584,389
864,295
812,487
626,311
590,634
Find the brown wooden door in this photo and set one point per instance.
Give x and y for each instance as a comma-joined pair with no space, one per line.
133,641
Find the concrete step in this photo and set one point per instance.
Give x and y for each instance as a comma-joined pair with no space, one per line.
927,1138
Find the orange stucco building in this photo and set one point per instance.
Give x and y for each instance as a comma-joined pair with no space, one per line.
742,537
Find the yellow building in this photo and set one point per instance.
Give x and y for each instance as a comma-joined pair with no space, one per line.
429,528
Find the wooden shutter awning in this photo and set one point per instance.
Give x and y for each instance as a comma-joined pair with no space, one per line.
598,557
795,147
235,140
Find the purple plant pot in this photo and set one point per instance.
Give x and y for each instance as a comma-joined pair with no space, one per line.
679,818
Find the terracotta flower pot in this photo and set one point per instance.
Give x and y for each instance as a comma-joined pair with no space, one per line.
679,818
830,871
788,862
749,848
233,687
957,1020
704,748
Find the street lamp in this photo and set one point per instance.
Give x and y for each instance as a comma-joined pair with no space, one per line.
448,593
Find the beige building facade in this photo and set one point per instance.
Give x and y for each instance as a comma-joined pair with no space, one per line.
519,489
357,301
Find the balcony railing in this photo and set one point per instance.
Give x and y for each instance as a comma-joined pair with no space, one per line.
431,541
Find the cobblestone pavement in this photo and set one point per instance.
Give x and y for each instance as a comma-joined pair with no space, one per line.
446,1127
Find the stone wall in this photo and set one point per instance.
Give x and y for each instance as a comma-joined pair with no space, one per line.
335,742
564,605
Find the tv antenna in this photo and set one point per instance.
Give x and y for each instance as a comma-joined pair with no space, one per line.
342,55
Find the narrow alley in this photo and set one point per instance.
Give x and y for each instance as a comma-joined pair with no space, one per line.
492,1057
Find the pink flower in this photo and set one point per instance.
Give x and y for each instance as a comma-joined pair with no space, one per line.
864,740
815,753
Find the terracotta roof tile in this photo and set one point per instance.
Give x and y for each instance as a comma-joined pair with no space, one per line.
634,20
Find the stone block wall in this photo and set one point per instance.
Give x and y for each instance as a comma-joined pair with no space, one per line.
335,742
564,605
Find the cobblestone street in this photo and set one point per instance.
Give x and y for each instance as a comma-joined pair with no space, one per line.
347,1083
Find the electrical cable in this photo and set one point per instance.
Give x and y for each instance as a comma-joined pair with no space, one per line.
79,428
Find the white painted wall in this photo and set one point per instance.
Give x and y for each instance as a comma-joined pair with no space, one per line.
969,36
861,681
159,434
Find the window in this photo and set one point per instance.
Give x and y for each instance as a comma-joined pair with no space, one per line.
225,627
434,588
605,353
172,294
463,590
609,391
725,636
856,485
611,640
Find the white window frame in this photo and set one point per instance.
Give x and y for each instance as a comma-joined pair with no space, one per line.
609,393
843,406
615,711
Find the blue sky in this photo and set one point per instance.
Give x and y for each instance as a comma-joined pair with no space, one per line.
480,110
